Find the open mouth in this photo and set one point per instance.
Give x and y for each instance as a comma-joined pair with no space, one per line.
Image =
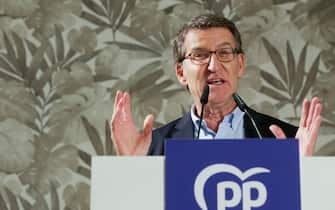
215,81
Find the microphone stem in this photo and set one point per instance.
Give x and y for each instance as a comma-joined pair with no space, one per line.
201,116
253,123
240,103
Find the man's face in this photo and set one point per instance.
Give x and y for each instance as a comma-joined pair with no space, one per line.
222,77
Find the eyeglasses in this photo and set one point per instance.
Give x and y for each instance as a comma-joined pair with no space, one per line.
200,57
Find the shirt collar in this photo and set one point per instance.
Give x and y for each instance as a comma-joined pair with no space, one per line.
232,118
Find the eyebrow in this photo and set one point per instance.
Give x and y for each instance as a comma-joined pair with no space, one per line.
224,44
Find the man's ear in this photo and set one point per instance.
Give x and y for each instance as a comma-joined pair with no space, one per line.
241,62
180,74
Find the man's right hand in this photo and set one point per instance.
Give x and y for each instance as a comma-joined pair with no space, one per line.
127,140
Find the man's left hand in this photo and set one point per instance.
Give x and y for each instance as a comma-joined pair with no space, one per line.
309,127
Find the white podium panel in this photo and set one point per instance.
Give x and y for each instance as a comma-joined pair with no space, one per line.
120,183
318,183
127,183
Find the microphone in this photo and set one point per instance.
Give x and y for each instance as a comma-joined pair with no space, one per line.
203,101
244,108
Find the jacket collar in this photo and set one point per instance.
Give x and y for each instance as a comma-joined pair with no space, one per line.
184,128
250,131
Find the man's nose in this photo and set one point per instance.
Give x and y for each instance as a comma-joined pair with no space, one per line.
213,63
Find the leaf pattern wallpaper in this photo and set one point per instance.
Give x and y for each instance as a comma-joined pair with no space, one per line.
62,61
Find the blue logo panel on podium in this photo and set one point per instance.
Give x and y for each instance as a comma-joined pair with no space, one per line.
232,175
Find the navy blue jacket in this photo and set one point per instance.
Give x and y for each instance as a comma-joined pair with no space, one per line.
183,128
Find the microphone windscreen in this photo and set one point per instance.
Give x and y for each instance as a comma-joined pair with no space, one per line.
240,102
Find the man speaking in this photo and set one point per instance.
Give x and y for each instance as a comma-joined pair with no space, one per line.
208,53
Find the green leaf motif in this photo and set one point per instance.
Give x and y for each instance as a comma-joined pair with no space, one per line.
276,59
94,136
300,71
14,60
274,94
21,53
94,7
9,47
115,8
105,3
37,60
19,157
77,196
310,79
83,41
85,57
7,71
290,66
94,19
55,165
3,203
59,44
85,157
110,14
109,148
328,149
297,85
55,202
40,202
85,172
12,200
129,5
131,46
270,79
25,204
50,52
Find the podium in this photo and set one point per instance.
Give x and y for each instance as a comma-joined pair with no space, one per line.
139,183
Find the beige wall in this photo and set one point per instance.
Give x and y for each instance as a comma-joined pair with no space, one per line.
62,61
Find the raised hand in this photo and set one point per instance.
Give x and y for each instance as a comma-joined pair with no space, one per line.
127,140
309,126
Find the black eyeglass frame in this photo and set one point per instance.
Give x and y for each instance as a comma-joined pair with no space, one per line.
234,51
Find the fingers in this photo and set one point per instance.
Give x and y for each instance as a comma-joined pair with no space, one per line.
147,128
277,132
126,138
118,116
309,126
118,96
147,125
127,102
313,136
318,110
315,127
312,110
122,108
304,113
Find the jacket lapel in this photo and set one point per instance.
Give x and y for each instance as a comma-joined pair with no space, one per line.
249,129
184,128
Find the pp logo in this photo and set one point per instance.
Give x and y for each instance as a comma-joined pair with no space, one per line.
238,193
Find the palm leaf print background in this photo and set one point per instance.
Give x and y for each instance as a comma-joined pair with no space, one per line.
61,63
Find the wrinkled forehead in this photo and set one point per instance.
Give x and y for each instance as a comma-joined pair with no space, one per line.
209,39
